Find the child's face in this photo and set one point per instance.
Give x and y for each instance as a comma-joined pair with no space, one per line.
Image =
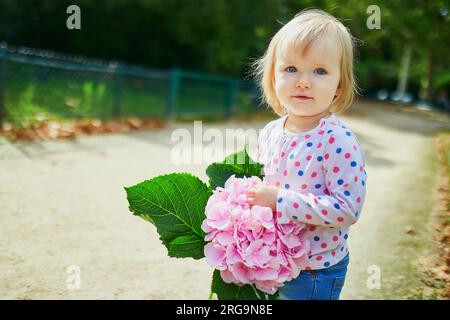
315,75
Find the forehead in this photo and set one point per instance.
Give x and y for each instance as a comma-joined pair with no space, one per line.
322,50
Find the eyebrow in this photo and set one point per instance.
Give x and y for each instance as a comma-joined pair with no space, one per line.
315,63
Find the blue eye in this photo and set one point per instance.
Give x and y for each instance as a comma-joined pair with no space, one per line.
291,69
320,71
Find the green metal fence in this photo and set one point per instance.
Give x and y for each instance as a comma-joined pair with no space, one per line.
37,84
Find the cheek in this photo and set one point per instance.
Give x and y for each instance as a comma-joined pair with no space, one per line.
283,84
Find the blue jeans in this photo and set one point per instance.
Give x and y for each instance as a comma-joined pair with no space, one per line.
323,284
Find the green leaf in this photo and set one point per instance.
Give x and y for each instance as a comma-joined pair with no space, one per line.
230,291
239,163
175,203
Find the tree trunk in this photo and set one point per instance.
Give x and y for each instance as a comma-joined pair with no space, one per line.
402,83
426,87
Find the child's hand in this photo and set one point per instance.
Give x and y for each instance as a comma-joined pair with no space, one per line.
264,196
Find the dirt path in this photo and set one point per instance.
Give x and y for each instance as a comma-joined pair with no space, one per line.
63,204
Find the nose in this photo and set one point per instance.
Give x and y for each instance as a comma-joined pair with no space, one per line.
302,84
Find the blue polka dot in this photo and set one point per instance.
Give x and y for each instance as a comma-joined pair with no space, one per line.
362,181
309,144
291,156
340,182
308,204
340,233
286,186
338,150
316,238
295,217
348,133
347,193
326,264
280,199
356,214
337,206
319,158
319,197
342,249
300,173
346,236
329,131
326,222
317,186
353,164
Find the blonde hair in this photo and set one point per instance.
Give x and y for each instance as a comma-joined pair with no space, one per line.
306,27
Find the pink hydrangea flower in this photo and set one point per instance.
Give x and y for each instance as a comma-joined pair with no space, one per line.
247,244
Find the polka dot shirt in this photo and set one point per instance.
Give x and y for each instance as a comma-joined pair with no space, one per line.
322,180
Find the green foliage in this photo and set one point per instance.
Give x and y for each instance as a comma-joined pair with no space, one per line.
175,203
226,291
240,164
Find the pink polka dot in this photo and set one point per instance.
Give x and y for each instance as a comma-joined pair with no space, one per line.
297,163
329,183
331,140
304,186
335,238
333,253
308,158
275,160
308,216
321,132
361,168
340,219
355,148
285,172
307,268
336,169
293,144
295,205
346,250
307,136
283,154
356,179
326,156
277,183
323,245
347,155
324,212
326,191
315,201
312,229
314,174
358,200
279,214
318,258
319,145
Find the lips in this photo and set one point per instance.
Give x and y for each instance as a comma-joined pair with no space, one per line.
303,97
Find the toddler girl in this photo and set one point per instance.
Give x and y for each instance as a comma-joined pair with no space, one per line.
313,163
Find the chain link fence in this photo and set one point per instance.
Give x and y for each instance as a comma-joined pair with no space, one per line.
36,85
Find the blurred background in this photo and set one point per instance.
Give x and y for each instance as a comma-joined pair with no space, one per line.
162,59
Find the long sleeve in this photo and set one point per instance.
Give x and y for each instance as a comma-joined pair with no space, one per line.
343,195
